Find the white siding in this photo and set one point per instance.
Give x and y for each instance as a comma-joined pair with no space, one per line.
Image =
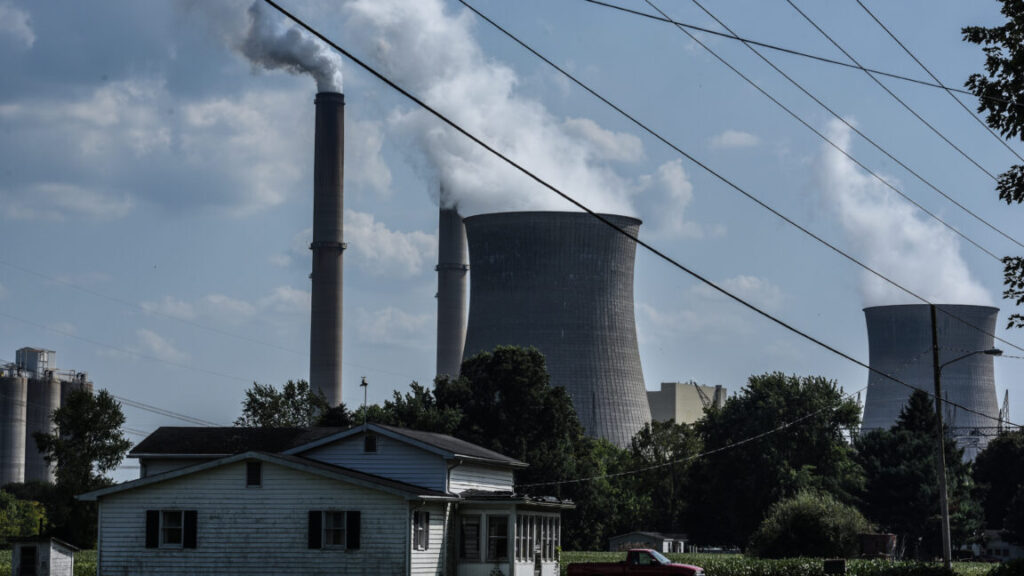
152,466
393,459
476,477
428,562
248,531
61,563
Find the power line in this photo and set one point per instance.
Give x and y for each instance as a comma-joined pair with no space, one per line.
849,125
705,167
948,90
661,255
669,20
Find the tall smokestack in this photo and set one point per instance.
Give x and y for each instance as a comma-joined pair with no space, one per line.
328,246
452,265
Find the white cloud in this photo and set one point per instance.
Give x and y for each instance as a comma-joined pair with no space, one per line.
60,202
287,300
675,191
172,307
159,347
734,139
226,306
383,252
364,163
757,291
16,24
605,144
710,322
393,326
893,237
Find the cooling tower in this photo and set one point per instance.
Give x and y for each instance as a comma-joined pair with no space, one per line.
43,399
13,401
563,282
900,344
452,268
327,247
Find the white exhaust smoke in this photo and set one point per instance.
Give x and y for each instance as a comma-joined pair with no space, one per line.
270,46
894,238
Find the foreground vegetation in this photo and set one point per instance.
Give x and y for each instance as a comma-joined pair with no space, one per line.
740,565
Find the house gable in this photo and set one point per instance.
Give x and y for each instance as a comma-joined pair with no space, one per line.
390,458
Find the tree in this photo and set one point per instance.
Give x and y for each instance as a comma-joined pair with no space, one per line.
417,409
999,477
999,90
661,450
295,405
732,491
901,492
88,443
809,524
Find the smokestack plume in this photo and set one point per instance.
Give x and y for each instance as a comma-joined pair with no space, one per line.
328,247
452,266
270,48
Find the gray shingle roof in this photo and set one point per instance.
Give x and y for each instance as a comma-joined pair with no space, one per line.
213,441
454,445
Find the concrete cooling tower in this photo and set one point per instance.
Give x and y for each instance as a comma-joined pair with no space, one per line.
563,283
900,344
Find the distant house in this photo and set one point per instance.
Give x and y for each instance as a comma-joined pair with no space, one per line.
667,543
368,500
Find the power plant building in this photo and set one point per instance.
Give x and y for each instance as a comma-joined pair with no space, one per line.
900,345
563,282
684,402
30,390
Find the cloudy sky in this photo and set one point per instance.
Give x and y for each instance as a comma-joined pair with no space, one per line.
156,195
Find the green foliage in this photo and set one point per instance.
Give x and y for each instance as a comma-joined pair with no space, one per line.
89,443
1010,568
20,518
999,476
902,487
85,563
662,452
998,90
417,409
295,405
808,524
731,491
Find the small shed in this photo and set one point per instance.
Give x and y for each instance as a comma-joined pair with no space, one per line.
43,557
667,543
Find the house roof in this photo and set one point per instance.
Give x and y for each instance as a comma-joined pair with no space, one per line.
222,441
488,496
654,535
294,462
442,444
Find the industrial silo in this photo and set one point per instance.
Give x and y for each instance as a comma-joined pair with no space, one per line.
900,345
13,402
43,399
76,381
563,283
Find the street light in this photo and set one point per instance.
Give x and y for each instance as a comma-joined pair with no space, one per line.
947,550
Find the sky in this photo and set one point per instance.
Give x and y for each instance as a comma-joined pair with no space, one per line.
156,181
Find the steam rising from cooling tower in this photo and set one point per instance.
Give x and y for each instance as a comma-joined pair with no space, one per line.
563,283
893,237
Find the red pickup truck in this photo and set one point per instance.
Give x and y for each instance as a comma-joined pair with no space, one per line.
639,562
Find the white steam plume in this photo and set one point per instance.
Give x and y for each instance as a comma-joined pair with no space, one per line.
434,55
270,47
894,238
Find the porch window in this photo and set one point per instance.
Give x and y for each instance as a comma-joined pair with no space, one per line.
469,538
421,530
497,538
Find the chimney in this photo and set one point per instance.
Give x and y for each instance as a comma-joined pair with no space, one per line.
452,266
327,247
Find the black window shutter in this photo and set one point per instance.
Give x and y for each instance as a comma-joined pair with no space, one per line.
426,530
152,528
191,524
352,530
315,529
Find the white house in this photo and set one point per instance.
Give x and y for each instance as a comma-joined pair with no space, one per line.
373,499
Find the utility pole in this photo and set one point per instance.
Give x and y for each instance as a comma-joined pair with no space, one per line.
940,461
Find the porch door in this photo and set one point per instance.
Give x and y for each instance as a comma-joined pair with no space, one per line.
28,561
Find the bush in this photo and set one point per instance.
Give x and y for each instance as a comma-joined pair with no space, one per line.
809,524
1011,568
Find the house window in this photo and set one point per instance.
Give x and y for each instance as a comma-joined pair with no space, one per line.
537,534
171,528
370,443
469,538
334,529
497,538
254,474
421,530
